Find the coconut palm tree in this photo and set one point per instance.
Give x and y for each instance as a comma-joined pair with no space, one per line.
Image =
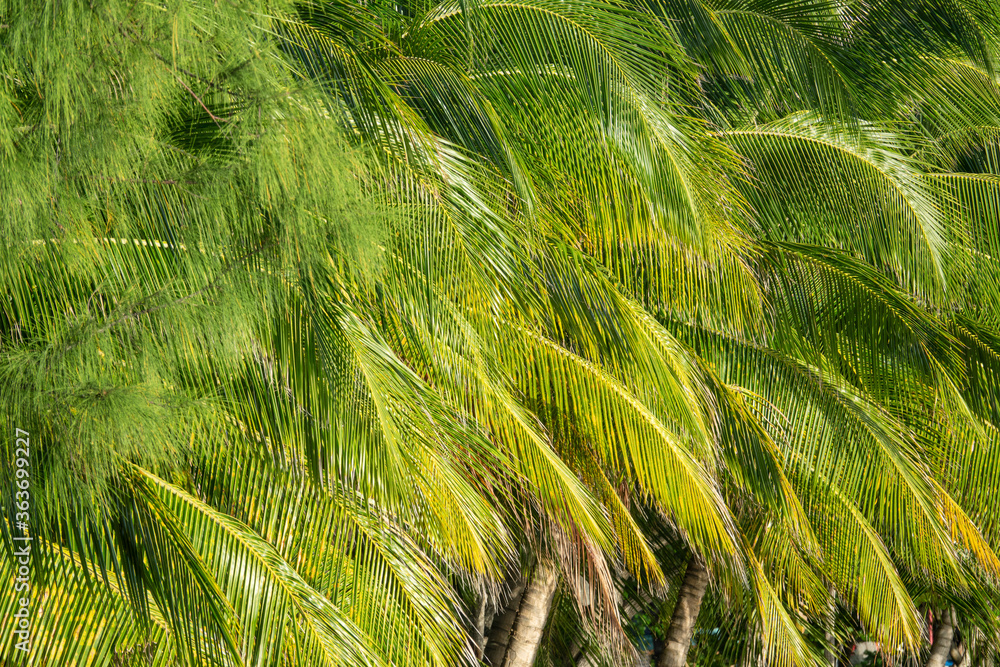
323,313
186,331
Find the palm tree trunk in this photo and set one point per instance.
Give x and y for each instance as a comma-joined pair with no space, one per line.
685,614
942,640
479,629
830,652
535,606
496,646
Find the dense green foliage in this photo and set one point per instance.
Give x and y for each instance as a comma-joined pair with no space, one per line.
327,318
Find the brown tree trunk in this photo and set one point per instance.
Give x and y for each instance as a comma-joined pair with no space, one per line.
942,640
535,606
499,637
685,614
